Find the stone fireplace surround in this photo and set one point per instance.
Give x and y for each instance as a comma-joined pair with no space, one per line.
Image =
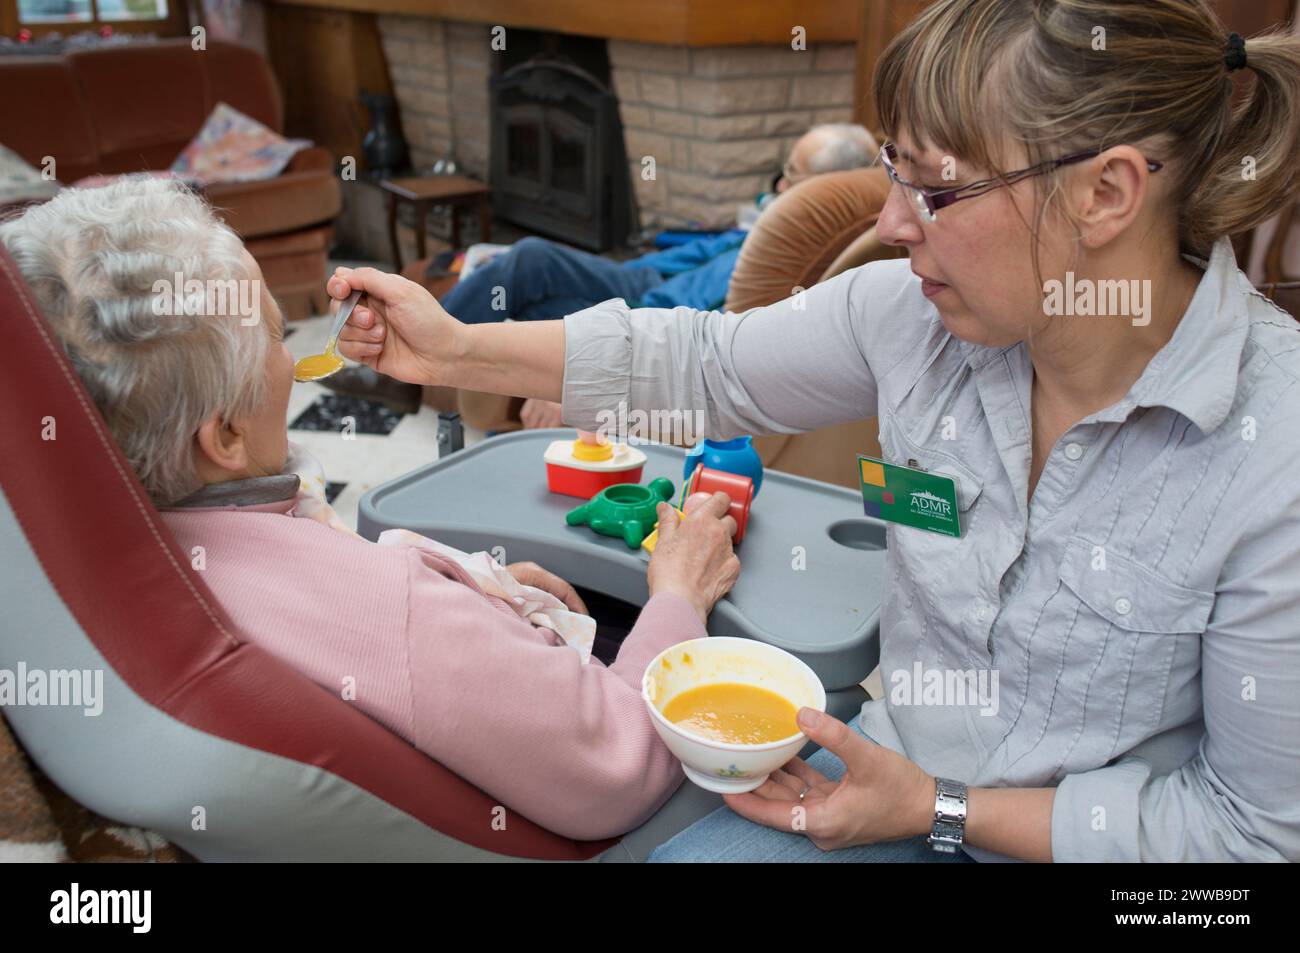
718,121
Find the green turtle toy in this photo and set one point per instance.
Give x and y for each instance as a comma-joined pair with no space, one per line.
625,510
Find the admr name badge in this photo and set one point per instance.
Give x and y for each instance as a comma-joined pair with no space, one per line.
909,497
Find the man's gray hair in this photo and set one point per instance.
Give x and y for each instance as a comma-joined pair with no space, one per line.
95,259
844,145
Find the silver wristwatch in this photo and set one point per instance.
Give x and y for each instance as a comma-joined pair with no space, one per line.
949,816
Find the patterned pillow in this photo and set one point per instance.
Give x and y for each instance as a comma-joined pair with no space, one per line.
20,181
232,147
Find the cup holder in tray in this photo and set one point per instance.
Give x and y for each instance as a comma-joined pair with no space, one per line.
858,534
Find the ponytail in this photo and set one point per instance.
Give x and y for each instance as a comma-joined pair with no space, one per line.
1253,174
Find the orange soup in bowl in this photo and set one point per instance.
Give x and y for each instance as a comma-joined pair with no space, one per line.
733,713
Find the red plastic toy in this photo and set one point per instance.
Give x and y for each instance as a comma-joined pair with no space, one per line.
739,488
584,467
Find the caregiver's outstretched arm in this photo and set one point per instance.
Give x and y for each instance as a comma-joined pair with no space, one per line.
401,330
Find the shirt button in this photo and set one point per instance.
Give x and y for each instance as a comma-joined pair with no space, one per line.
982,613
1073,451
1123,606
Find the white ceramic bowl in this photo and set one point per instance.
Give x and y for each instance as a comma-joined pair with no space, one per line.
717,765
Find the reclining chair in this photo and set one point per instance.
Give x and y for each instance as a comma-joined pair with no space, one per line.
206,739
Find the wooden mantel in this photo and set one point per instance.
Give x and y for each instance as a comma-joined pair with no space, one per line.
674,22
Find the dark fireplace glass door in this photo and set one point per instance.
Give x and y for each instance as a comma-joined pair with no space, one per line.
571,149
551,157
524,145
558,165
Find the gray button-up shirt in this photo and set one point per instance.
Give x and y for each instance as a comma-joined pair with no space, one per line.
1132,637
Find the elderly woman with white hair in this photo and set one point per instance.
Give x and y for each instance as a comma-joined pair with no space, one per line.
197,400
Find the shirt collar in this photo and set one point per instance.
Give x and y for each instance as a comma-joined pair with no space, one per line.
254,491
1195,373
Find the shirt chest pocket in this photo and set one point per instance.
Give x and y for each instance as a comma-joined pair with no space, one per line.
899,448
941,566
1129,635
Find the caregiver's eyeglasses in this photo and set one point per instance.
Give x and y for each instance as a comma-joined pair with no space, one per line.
928,201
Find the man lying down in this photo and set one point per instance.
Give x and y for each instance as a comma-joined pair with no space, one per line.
436,649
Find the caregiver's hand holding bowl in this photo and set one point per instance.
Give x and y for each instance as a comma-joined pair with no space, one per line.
1097,659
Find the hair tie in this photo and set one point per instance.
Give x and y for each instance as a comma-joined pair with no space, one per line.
1235,57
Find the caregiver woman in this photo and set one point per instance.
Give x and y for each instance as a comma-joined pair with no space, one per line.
1128,477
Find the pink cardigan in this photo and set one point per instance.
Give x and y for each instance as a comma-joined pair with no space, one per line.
500,701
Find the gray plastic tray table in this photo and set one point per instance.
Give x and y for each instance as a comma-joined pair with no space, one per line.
827,613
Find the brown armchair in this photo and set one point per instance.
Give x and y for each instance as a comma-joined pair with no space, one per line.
133,108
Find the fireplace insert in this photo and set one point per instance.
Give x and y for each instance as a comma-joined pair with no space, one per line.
558,164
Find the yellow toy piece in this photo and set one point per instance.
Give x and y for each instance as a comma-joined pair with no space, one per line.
648,544
592,453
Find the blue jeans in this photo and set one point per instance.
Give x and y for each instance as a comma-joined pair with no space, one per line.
726,837
539,279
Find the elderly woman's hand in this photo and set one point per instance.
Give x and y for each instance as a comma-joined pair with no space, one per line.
693,557
882,795
397,328
531,574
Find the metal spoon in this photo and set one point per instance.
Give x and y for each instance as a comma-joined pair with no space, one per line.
317,367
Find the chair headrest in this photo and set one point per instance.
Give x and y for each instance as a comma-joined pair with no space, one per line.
802,232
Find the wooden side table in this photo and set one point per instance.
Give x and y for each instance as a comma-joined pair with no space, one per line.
425,192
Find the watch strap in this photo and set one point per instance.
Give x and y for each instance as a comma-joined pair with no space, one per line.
949,829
